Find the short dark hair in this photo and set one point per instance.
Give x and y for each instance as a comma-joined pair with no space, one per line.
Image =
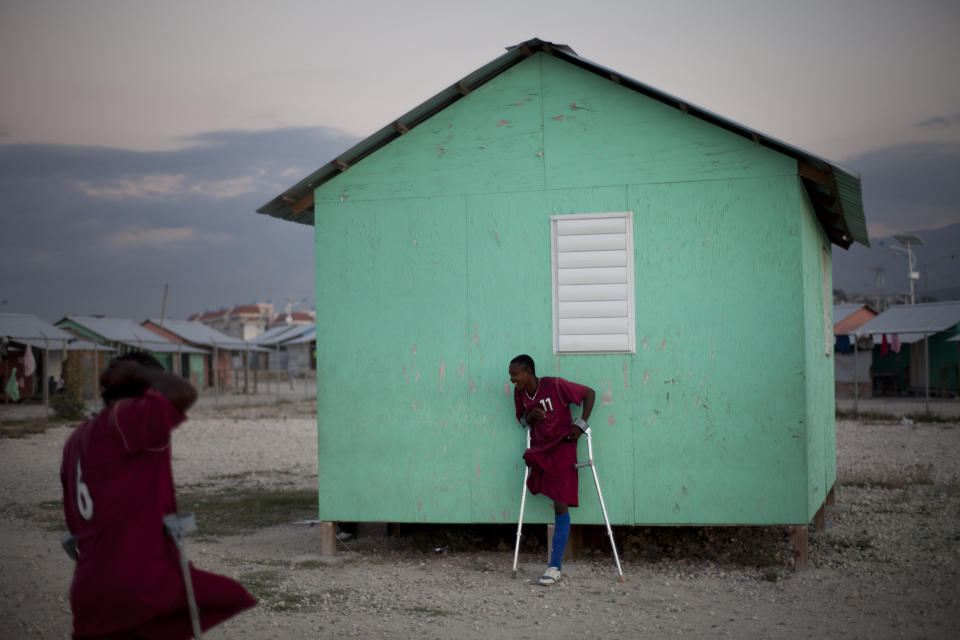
142,358
525,361
130,389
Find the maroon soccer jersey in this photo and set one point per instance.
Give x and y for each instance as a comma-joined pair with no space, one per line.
117,486
551,457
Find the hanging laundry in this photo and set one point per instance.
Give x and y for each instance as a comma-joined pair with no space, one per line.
895,343
843,344
884,345
29,363
13,389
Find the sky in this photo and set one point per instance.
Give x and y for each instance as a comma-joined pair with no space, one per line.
137,139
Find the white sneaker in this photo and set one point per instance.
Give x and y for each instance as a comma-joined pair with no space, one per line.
550,576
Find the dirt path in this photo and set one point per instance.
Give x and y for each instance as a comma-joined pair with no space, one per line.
886,567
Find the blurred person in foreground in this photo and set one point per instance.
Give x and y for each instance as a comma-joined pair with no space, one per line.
117,487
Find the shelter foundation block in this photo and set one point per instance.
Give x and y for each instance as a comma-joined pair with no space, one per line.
798,536
328,539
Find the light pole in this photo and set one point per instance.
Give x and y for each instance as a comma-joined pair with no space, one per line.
912,273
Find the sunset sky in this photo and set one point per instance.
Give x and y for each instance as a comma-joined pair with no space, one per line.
138,138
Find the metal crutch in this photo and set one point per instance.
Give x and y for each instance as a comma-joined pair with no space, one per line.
176,526
523,501
603,508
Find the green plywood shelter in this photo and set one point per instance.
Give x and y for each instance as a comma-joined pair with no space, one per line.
675,261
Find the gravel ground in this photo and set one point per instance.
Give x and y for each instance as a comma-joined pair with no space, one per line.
886,566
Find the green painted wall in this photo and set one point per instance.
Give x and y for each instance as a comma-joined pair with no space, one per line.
818,425
943,361
433,265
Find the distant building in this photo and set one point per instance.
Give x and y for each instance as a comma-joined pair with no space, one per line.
852,356
244,322
125,335
296,317
289,350
914,351
227,352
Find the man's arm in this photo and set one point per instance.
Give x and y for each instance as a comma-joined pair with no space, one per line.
588,399
178,391
175,389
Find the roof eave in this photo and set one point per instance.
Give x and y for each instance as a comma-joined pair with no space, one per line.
835,192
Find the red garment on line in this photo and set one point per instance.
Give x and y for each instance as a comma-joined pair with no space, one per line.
117,487
551,457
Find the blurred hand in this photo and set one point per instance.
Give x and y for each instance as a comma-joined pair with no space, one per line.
536,415
575,433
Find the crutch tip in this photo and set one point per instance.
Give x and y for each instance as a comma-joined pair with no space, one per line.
622,578
513,574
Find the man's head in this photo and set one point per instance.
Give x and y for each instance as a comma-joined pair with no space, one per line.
523,373
125,387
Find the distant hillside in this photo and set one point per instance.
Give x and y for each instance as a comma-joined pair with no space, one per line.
938,262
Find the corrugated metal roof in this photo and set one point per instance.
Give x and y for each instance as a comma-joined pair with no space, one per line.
24,327
84,345
280,334
843,311
928,318
308,337
127,332
199,333
847,317
835,192
268,335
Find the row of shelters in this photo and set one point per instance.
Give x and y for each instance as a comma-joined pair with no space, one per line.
33,351
906,350
247,321
73,351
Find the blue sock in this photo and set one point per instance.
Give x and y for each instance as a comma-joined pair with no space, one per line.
561,530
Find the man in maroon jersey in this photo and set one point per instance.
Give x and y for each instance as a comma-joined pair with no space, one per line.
543,406
117,487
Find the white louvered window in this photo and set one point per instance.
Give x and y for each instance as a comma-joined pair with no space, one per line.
593,300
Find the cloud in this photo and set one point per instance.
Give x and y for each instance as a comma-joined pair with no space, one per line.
940,121
909,186
102,230
159,186
233,187
135,238
147,187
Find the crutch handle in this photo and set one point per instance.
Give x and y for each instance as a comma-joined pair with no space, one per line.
177,525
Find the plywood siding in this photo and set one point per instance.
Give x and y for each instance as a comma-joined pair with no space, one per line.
433,271
817,373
